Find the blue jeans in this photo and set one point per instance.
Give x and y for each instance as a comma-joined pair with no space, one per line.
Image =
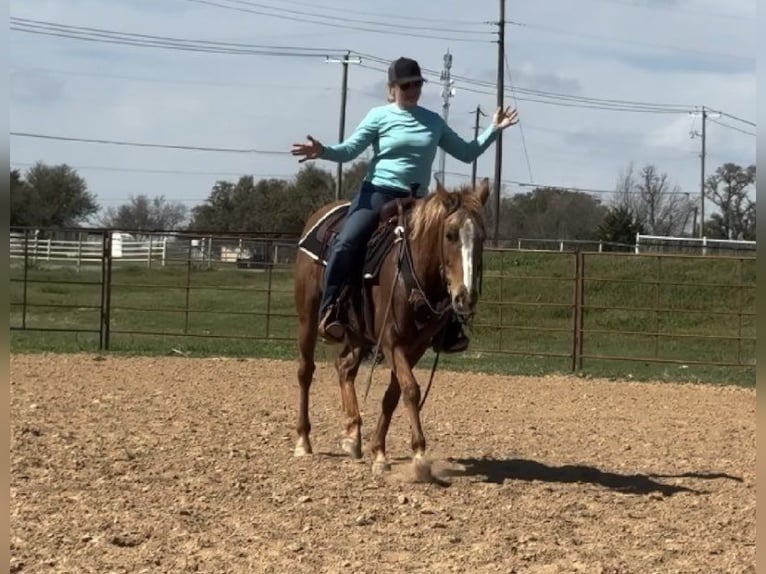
349,247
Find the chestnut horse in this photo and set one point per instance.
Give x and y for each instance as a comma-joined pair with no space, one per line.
444,234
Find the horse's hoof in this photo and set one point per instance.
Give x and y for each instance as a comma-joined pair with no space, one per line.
421,469
380,467
303,448
353,447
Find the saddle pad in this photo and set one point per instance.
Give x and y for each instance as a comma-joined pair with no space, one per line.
314,243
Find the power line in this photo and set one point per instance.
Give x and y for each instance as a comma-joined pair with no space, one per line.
733,117
144,40
736,129
336,25
106,36
523,185
388,16
398,26
553,98
521,126
150,145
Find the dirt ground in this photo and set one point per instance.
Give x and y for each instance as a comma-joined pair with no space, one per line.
186,465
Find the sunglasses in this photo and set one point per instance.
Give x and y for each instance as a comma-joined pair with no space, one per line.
407,85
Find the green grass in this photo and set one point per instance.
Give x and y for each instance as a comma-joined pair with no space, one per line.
701,308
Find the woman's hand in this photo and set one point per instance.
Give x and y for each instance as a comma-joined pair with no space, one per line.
505,118
311,150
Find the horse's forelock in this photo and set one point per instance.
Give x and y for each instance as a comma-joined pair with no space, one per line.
427,214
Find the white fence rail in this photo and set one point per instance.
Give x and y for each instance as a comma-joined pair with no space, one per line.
79,252
695,245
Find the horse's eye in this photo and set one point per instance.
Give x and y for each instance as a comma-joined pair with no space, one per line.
453,236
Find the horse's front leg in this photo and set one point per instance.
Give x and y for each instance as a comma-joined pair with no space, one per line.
411,396
347,366
378,447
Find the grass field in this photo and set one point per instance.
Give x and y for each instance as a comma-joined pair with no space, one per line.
664,308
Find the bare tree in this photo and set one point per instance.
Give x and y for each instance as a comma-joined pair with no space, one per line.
661,207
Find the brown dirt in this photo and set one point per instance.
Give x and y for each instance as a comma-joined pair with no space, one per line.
185,465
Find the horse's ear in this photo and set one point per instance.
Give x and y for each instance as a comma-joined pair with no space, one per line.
450,201
483,190
440,189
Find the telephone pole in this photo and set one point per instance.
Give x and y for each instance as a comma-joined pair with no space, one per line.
342,124
447,93
702,175
701,229
478,112
499,140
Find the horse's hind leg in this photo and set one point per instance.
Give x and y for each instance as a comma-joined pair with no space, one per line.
347,365
378,447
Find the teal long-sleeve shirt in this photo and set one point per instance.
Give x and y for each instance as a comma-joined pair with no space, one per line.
404,143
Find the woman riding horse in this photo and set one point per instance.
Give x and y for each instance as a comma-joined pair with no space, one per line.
405,137
430,273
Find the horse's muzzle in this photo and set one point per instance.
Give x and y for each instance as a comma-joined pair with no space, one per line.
463,302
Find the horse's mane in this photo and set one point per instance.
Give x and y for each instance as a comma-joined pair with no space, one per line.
428,213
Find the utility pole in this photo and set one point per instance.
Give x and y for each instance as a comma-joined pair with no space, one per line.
701,229
499,140
702,175
447,93
342,124
478,112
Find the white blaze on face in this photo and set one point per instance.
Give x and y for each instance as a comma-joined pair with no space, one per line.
466,250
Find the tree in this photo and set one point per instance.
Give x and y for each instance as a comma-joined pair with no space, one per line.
661,207
728,189
21,211
50,196
268,206
552,213
144,214
620,225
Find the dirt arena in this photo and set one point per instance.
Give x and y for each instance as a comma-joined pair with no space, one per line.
131,465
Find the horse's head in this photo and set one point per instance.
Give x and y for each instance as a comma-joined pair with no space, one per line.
452,222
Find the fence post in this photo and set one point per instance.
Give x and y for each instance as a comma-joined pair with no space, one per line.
37,242
79,251
26,276
106,291
269,270
638,242
164,250
577,311
149,256
188,288
209,251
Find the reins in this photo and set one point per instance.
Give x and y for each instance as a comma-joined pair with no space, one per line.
401,239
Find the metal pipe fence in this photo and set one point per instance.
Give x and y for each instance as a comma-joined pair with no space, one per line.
574,306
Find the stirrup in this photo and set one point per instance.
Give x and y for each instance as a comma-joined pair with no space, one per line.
330,329
454,340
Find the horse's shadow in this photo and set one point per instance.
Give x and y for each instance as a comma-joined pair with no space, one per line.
498,470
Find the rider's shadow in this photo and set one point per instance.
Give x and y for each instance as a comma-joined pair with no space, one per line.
498,470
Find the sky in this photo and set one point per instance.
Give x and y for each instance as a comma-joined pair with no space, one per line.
569,68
